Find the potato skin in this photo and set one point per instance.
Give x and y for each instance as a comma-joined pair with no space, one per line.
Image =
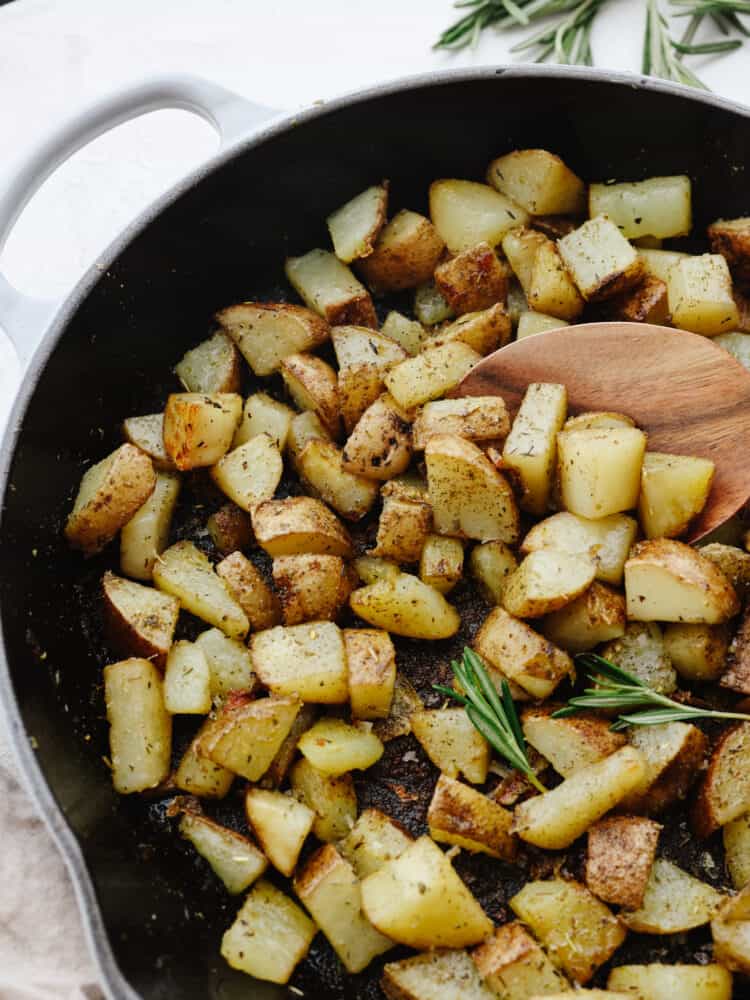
646,303
147,632
380,446
230,528
737,675
300,524
674,780
472,280
730,759
311,587
405,254
314,386
266,332
732,240
621,850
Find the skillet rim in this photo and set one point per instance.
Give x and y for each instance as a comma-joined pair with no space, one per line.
31,775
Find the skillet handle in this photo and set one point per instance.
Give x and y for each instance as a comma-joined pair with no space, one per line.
26,319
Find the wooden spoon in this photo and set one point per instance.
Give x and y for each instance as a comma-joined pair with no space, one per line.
690,396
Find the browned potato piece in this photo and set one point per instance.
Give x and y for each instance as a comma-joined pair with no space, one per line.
514,967
408,333
491,563
606,540
433,373
434,975
300,524
460,815
354,226
673,902
724,792
199,428
363,357
313,385
539,181
311,587
287,752
250,474
731,238
405,255
212,366
333,800
699,652
572,743
521,246
675,753
371,661
303,428
403,529
250,590
519,653
379,447
733,562
140,621
477,418
230,528
600,259
484,331
109,495
598,615
373,840
321,467
198,775
640,651
452,743
646,303
530,449
266,332
552,290
466,213
262,414
737,675
246,735
306,661
359,386
329,288
472,280
441,563
147,433
406,606
621,851
545,581
405,702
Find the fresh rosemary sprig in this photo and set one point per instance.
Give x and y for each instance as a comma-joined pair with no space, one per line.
493,714
618,689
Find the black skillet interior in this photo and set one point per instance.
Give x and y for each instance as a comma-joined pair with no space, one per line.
224,241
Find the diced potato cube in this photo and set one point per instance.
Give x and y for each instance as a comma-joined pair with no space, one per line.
406,606
187,680
700,295
731,238
461,815
281,823
521,655
724,793
373,840
531,447
303,428
452,743
334,747
466,213
520,246
697,652
403,528
736,837
640,650
230,529
270,935
530,323
434,975
333,800
514,967
484,331
234,858
246,735
477,418
250,474
287,752
551,288
199,427
621,851
734,562
308,661
408,333
321,466
313,385
600,259
600,469
658,263
146,535
358,345
147,433
330,289
675,754
441,562
212,366
431,374
371,660
539,181
418,900
569,744
197,775
674,901
598,615
300,524
665,982
266,332
262,414
405,255
359,386
674,489
472,280
138,620
430,307
229,663
659,206
311,587
491,563
380,446
607,540
354,226
545,581
250,590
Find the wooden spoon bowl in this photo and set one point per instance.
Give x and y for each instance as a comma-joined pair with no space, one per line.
690,396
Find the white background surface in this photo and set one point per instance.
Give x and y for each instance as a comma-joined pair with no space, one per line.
59,56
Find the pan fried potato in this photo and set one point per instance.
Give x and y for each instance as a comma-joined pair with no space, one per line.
724,792
551,289
406,606
539,181
139,621
577,930
514,967
140,728
212,366
234,859
737,675
373,840
674,489
668,581
731,239
147,433
491,563
303,428
658,206
441,563
476,418
187,680
697,652
110,493
287,752
418,900
452,743
531,447
674,901
431,374
700,295
600,259
311,587
246,735
462,816
658,263
308,661
199,427
405,702
322,468
354,227
250,590
262,414
405,254
313,385
472,280
333,800
469,497
359,386
640,650
334,747
269,936
620,853
229,663
521,655
408,333
647,302
597,419
569,744
330,289
598,615
300,524
546,581
557,818
281,823
733,562
197,775
736,837
267,332
332,893
185,572
530,323
371,661
664,982
466,213
434,975
675,753
250,474
403,528
600,470
484,331
380,446
230,529
430,307
357,345
520,246
606,540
